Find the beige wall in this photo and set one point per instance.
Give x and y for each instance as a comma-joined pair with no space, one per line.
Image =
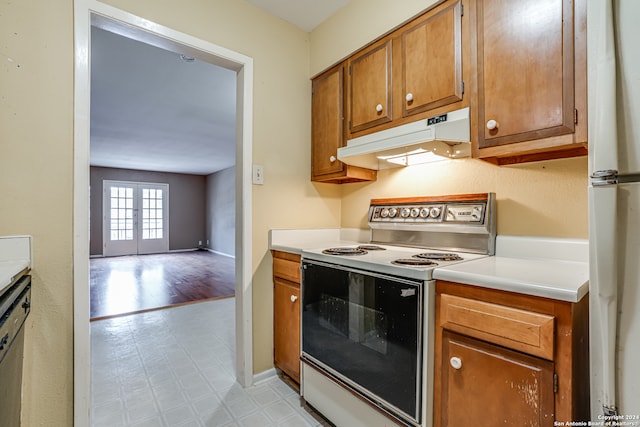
36,182
36,145
537,199
36,137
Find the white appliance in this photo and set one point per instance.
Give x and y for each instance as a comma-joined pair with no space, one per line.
614,208
442,137
367,312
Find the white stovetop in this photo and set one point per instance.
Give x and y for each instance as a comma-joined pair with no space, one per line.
381,261
546,267
15,257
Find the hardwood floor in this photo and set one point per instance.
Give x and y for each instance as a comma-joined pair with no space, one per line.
131,284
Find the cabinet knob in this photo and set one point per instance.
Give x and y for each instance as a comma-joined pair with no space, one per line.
409,97
492,124
293,298
332,159
455,362
379,108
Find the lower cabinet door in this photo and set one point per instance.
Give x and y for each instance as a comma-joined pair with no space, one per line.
487,385
286,325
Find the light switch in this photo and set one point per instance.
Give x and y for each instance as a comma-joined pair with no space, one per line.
258,174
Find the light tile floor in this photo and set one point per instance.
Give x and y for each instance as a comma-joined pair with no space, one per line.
175,367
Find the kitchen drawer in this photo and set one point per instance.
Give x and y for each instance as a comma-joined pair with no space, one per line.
286,266
521,330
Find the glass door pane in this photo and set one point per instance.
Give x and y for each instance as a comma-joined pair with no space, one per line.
367,329
135,218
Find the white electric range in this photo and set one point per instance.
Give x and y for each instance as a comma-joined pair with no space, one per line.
367,311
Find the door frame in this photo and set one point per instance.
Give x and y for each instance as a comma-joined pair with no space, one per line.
86,13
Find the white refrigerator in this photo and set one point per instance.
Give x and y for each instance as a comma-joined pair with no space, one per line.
613,28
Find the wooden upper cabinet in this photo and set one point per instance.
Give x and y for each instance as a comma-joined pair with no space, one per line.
327,121
328,131
432,61
370,86
530,57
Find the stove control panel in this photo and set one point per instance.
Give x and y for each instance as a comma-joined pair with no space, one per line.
455,212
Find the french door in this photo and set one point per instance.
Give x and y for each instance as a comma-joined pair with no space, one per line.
135,218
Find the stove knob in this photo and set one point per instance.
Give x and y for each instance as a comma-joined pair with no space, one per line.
435,212
393,212
475,214
415,212
424,212
405,212
384,213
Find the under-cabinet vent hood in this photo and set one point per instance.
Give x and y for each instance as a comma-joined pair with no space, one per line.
442,137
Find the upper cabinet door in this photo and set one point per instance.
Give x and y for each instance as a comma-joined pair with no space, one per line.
525,70
432,61
327,117
370,87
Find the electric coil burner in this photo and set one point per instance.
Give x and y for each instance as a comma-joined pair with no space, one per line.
344,251
349,251
367,310
439,257
414,262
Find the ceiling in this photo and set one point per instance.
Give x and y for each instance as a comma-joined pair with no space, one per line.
152,110
305,14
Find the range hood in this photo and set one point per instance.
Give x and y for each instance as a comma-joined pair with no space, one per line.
442,137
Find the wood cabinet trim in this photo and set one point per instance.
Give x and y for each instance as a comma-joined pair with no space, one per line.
287,269
411,200
521,330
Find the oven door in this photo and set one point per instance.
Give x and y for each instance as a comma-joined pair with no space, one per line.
364,330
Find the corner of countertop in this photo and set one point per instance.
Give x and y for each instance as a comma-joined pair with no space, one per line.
294,240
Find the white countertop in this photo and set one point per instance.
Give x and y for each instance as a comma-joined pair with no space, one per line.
16,255
9,270
559,280
296,240
545,267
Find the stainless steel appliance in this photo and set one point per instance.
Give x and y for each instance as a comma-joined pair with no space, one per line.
367,310
15,305
614,206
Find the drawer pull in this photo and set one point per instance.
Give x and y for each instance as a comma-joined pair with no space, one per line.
456,362
293,298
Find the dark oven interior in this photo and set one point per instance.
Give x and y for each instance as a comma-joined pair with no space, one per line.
364,330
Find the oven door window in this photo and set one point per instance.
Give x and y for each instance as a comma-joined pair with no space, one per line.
365,329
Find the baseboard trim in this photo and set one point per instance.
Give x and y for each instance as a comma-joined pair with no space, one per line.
221,253
264,376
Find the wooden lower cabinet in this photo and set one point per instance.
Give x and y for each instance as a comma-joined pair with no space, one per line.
484,384
286,313
503,358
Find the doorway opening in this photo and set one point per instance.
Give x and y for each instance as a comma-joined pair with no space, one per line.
86,14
